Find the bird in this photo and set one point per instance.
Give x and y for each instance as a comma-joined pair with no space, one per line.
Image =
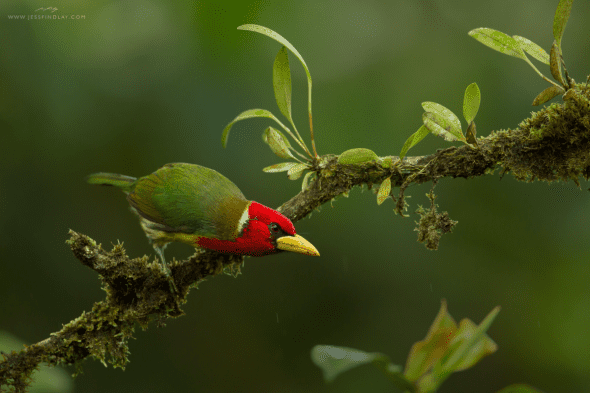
198,206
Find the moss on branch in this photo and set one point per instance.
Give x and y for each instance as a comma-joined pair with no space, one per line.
552,145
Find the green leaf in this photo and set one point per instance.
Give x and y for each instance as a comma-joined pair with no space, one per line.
282,167
474,344
250,113
305,182
562,14
519,388
424,354
281,80
277,37
548,94
438,126
447,349
449,118
471,102
334,360
357,156
555,63
296,171
277,142
480,348
498,41
413,140
384,190
265,135
532,49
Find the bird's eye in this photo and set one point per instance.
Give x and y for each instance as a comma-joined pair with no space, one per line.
274,227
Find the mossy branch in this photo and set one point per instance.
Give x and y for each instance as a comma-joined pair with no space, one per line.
552,145
137,292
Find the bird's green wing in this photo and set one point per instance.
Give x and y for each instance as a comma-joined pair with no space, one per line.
191,199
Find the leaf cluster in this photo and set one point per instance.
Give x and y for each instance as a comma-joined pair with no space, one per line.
518,46
446,349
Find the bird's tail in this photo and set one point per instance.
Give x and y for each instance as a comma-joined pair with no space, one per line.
111,179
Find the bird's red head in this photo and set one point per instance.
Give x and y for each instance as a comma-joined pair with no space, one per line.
266,231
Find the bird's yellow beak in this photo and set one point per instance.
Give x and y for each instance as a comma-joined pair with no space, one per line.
297,244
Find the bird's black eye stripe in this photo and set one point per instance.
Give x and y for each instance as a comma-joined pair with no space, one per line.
276,231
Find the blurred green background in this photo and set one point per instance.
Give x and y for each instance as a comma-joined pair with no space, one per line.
136,84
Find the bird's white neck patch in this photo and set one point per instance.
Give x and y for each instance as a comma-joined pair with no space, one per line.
244,219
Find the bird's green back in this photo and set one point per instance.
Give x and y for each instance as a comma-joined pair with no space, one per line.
191,199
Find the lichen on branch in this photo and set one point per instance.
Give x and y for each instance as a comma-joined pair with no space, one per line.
552,145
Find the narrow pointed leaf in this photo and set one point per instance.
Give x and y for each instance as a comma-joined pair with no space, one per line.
282,167
469,343
250,113
384,190
296,171
281,80
471,102
278,143
357,156
555,63
562,14
427,352
450,119
548,94
279,38
480,348
413,140
532,49
498,41
471,133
